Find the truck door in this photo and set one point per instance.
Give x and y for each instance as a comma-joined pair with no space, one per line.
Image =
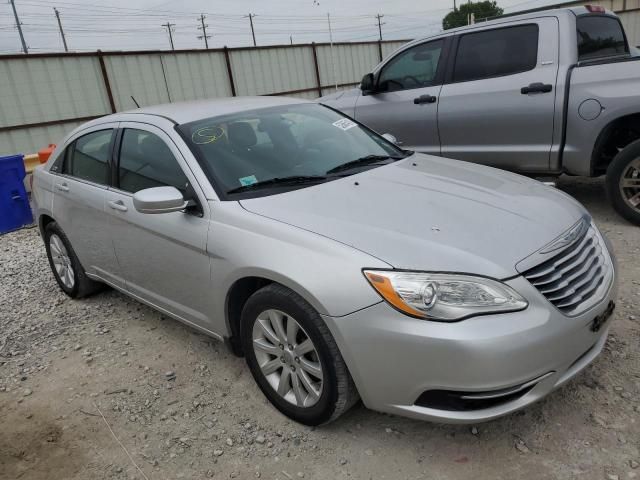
405,102
497,104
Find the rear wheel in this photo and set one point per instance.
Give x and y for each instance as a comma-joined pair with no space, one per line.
293,357
623,182
65,265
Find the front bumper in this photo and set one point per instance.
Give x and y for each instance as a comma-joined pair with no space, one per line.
394,359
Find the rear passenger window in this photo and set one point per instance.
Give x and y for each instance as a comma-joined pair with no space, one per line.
600,36
146,162
88,157
495,53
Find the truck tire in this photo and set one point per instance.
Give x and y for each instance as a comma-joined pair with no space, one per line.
623,182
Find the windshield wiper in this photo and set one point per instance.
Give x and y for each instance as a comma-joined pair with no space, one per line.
362,161
278,181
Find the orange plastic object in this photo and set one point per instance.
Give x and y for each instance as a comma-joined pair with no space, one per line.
45,153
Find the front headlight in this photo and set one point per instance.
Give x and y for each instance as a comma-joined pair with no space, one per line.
444,296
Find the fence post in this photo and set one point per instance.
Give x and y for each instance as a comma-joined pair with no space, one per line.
380,49
315,63
229,71
105,78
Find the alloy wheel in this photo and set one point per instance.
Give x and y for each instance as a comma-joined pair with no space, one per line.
287,358
62,261
630,184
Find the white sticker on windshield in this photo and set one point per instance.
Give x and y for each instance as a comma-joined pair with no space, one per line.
344,124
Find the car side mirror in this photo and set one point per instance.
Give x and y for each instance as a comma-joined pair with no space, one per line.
367,85
159,200
390,138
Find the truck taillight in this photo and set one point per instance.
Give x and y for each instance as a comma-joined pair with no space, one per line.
595,8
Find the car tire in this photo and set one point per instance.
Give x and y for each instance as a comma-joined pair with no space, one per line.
321,395
64,263
625,167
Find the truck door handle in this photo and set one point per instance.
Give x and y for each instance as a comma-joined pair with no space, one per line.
118,205
62,187
424,99
537,87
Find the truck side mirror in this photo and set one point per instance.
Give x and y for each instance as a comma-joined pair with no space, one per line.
367,84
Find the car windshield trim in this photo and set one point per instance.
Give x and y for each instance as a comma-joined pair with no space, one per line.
367,160
280,181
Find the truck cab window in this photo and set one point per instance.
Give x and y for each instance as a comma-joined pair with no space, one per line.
496,52
413,68
600,36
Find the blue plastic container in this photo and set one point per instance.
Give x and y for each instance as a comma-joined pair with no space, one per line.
15,211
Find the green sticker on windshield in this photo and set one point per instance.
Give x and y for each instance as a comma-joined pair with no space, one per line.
250,180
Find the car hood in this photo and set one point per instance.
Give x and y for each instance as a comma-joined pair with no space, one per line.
430,213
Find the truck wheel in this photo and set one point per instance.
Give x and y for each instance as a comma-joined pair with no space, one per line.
293,357
623,182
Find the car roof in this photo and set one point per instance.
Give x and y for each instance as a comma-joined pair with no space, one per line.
185,112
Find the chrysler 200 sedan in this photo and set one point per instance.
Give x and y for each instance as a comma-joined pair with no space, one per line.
340,265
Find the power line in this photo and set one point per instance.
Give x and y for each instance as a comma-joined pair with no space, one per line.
204,31
64,40
169,27
15,14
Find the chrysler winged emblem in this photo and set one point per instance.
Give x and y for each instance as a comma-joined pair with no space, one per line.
567,238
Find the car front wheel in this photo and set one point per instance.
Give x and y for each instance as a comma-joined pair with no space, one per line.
293,357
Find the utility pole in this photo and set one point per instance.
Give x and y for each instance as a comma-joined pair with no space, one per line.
291,39
253,33
333,60
204,31
64,40
19,25
169,27
454,5
379,17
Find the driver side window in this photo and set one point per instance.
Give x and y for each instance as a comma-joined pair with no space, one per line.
413,68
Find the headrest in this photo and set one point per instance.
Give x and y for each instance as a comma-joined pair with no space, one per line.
241,134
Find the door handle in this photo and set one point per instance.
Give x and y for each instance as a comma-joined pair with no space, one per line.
62,187
424,99
118,205
537,87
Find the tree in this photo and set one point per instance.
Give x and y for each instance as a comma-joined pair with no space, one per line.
459,17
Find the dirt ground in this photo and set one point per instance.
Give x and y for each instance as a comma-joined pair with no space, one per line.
65,364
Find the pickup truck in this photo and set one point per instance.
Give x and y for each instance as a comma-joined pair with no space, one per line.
542,93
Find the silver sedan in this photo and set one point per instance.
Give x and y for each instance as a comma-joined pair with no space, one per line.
340,265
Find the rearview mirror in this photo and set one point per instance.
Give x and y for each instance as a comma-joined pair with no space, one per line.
159,200
367,84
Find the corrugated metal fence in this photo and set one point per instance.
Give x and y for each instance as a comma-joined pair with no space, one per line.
43,96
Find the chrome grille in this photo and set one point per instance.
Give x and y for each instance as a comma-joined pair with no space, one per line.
571,279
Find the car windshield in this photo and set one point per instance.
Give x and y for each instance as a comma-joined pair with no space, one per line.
269,150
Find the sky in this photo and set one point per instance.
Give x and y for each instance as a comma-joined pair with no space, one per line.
137,24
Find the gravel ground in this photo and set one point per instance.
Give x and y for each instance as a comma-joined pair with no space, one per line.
92,388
